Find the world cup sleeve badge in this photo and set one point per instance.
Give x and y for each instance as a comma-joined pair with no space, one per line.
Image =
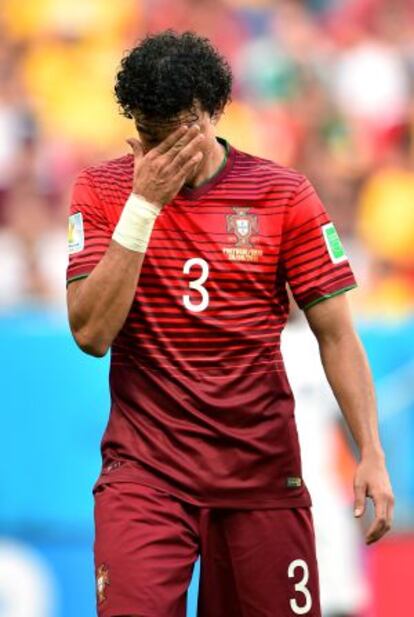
102,582
333,244
76,236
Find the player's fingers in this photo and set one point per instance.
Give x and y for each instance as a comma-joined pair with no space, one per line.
192,134
190,164
136,146
382,522
169,141
390,510
376,530
360,492
186,154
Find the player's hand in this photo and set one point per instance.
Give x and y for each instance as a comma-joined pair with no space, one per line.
371,480
160,174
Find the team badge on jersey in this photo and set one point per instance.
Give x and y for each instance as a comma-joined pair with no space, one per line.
102,582
243,225
76,236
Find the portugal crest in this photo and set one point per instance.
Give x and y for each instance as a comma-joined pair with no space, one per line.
243,225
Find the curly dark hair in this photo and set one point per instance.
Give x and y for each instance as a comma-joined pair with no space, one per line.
168,72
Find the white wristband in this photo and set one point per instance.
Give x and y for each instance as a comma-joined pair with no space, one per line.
135,224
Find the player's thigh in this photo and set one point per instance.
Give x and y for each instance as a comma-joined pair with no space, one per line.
146,544
259,562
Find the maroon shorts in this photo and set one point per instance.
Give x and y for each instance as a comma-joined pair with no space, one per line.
253,562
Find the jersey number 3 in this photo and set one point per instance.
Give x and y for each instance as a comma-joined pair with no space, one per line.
197,284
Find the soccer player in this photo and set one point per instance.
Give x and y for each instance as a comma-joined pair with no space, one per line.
180,254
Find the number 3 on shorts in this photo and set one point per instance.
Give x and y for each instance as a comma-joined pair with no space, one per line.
300,587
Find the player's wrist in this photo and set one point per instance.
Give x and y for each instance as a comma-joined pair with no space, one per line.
372,453
143,199
136,223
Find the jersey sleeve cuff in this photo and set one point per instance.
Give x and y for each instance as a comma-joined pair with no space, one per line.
338,292
76,277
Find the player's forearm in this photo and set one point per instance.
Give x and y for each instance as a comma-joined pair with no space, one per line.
101,302
98,309
349,375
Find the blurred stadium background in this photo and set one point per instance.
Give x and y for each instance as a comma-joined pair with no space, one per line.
326,86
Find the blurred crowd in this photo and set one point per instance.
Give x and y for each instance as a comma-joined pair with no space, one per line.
325,86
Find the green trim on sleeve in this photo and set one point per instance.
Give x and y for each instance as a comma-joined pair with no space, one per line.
332,295
77,278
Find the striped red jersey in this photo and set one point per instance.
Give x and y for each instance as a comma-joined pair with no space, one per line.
200,402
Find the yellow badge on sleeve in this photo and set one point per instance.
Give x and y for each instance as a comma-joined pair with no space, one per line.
76,236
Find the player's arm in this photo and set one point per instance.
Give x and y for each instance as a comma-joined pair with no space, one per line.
349,375
99,304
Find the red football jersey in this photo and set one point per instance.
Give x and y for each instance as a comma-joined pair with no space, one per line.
200,402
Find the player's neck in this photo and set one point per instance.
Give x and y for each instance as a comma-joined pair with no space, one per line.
212,163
